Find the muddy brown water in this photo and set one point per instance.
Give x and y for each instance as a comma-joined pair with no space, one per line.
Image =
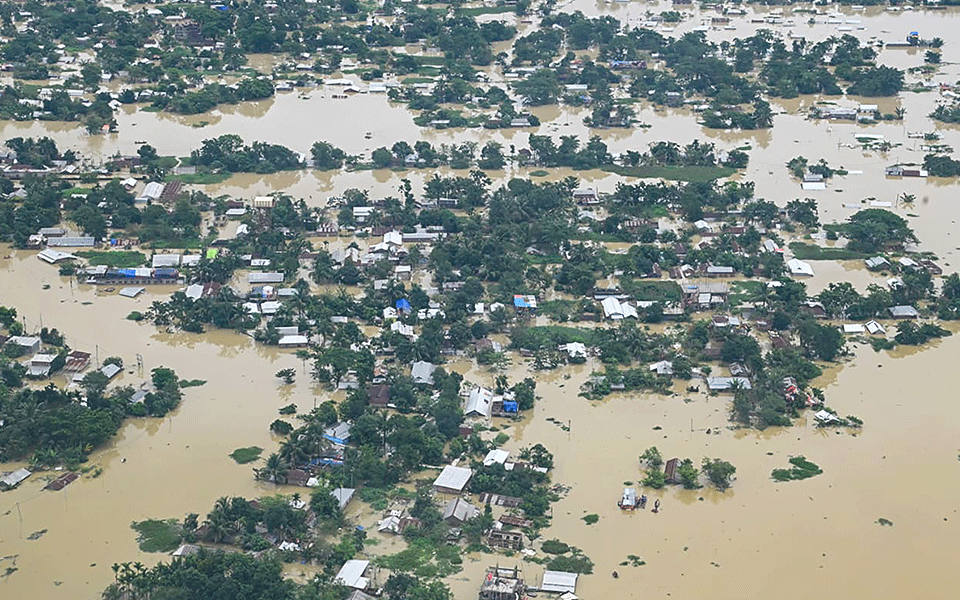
761,538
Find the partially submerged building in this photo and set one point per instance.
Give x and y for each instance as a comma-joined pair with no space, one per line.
452,480
502,584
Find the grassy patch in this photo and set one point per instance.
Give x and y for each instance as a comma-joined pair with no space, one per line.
246,455
200,178
652,290
744,291
485,10
801,469
539,173
154,535
118,259
805,251
135,316
591,518
185,383
550,336
571,564
415,80
424,558
377,498
688,174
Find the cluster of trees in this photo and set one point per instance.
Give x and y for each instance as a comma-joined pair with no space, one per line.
51,426
719,472
228,153
209,96
213,573
941,166
875,229
38,153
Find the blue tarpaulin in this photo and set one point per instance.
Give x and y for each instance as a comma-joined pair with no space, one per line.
520,302
510,406
402,304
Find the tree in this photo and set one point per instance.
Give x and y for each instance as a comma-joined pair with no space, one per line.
719,471
689,475
287,375
382,158
652,457
147,153
273,470
326,156
871,229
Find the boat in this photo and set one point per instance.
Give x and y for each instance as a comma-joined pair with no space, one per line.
629,499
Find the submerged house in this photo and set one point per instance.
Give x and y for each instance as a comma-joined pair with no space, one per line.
452,480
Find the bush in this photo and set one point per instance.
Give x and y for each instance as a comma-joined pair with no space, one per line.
246,455
281,427
555,547
654,479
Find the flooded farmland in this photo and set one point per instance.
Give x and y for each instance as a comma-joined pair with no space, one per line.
819,537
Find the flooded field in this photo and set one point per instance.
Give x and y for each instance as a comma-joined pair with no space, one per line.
795,540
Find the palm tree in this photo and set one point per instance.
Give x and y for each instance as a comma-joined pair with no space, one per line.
274,470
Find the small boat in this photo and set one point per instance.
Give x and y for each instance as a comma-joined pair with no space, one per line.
368,135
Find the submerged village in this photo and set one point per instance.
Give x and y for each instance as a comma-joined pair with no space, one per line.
330,300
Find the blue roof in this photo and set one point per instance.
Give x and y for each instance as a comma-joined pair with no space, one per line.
402,304
510,406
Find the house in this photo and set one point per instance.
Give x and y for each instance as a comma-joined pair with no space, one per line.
663,367
720,384
264,278
351,574
132,292
40,365
52,257
165,260
357,594
877,262
904,312
852,328
574,350
907,262
378,395
522,302
798,267
422,372
873,327
825,418
502,584
13,479
338,434
343,496
293,341
111,370
586,196
403,272
613,308
77,361
478,403
496,456
71,242
458,511
28,344
452,480
670,471
719,271
629,499
559,582
509,540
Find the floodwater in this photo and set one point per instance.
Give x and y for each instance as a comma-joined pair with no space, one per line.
761,538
